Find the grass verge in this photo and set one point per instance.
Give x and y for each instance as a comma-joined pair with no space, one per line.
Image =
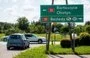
1,35
57,49
39,52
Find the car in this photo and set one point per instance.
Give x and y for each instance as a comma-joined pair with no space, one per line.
17,40
5,38
33,38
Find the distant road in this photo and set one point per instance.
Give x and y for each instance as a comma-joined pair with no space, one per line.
4,53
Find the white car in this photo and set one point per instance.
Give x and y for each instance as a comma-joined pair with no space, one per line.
34,38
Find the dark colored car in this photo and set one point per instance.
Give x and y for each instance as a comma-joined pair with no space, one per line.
17,40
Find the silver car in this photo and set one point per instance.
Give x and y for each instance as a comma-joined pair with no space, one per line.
5,38
34,38
17,40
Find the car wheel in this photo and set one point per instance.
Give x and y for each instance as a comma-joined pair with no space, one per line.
8,48
39,41
28,46
23,47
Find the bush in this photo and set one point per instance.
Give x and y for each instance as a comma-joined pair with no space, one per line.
1,35
84,38
66,43
13,30
88,28
77,40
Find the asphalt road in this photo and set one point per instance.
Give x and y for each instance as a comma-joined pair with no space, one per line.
4,53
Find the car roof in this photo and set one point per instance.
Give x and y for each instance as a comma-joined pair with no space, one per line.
28,33
17,34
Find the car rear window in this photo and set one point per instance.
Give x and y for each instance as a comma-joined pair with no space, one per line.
27,35
15,37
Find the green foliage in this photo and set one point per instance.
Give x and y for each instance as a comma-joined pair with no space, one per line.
56,37
66,43
57,49
79,28
37,27
33,53
39,52
1,35
32,28
84,38
65,29
58,26
23,23
12,30
83,35
77,42
40,29
83,50
5,26
88,28
87,23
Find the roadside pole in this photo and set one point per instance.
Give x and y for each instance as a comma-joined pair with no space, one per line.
74,37
70,33
49,33
48,36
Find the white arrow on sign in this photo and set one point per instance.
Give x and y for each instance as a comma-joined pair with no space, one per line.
44,10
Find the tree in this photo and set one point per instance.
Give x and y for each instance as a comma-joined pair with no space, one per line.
78,29
64,29
88,28
5,26
59,26
56,27
32,28
40,29
87,23
37,27
23,23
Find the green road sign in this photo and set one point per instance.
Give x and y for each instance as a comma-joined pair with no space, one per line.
61,13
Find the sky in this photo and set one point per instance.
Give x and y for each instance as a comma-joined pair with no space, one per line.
11,10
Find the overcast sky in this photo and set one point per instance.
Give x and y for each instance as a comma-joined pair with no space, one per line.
10,10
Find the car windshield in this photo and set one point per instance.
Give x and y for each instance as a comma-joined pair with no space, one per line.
15,37
30,35
27,35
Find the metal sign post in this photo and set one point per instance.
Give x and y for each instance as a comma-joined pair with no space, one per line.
49,33
70,32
